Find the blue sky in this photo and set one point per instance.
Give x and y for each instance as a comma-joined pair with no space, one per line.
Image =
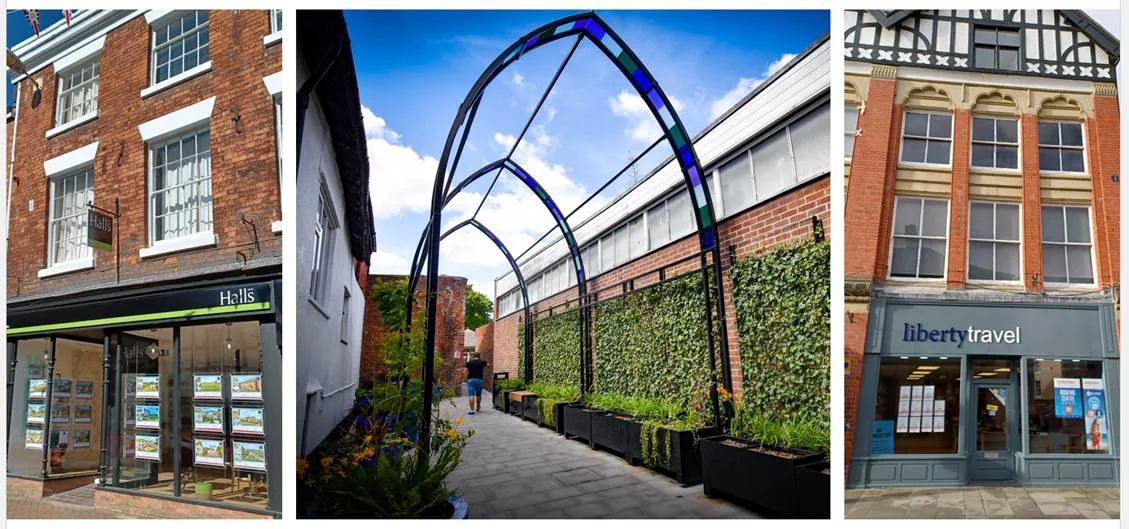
414,68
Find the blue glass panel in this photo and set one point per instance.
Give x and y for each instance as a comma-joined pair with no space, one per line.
699,197
563,28
529,43
685,155
668,120
641,80
695,178
655,99
612,46
596,30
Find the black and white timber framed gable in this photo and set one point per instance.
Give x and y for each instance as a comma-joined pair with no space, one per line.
1063,44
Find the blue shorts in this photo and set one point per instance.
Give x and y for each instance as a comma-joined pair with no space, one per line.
474,387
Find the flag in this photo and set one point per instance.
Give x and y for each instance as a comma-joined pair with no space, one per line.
67,15
32,16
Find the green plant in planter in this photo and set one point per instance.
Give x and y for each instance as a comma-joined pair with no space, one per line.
654,415
508,384
549,395
804,432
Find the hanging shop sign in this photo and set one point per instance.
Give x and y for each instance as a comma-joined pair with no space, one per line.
1068,398
1097,430
99,229
190,303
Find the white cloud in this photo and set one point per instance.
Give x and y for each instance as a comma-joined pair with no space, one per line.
400,179
745,85
385,262
641,124
519,80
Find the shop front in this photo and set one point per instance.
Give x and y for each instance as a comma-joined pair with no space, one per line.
153,395
964,392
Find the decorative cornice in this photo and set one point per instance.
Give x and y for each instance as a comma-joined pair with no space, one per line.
856,289
1105,89
881,71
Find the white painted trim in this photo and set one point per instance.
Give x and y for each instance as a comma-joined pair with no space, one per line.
176,121
180,244
272,38
176,79
154,15
276,226
80,55
72,124
273,83
76,158
74,265
906,72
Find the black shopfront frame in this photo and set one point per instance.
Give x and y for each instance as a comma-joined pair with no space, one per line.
270,340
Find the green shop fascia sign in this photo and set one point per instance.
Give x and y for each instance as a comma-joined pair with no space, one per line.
200,302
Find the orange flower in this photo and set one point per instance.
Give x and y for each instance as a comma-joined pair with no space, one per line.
452,434
302,467
459,421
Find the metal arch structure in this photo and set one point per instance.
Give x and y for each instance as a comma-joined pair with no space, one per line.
528,375
592,27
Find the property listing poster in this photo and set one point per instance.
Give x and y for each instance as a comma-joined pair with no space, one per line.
927,409
915,410
903,409
1097,431
1068,398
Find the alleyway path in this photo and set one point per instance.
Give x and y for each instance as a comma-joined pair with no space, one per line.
984,502
515,469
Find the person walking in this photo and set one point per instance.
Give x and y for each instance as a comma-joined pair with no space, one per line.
474,370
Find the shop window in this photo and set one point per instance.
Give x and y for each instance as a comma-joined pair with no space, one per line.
180,190
76,406
993,242
180,45
78,93
927,137
67,231
995,143
1066,245
28,408
997,48
918,406
920,237
1067,407
1061,147
850,129
145,401
325,226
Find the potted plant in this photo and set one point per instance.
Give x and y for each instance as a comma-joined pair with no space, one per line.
609,425
203,490
502,388
670,444
758,462
551,403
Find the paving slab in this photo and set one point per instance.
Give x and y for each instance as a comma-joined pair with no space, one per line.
516,469
979,502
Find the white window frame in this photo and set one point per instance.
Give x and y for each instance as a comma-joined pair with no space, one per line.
345,323
275,22
325,224
160,20
95,65
994,241
1093,257
927,139
1060,147
996,46
995,143
82,261
917,273
850,134
203,236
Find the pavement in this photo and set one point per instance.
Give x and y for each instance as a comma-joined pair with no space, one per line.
984,502
516,469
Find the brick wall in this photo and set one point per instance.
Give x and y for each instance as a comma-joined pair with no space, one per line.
132,505
451,310
780,220
484,346
244,166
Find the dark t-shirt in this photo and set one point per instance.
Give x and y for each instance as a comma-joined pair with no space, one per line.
474,369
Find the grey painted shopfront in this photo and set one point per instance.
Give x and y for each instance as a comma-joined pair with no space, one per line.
987,391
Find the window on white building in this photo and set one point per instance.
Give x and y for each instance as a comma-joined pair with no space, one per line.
1067,256
179,44
920,236
993,241
997,48
78,93
325,222
180,186
927,137
70,194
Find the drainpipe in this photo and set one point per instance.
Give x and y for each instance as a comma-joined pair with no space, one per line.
308,88
12,165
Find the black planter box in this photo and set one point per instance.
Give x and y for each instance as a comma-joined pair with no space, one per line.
514,404
813,488
685,463
744,473
577,422
556,415
609,432
529,408
501,400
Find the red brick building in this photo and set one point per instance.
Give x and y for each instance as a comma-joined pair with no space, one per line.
451,308
651,228
982,228
161,129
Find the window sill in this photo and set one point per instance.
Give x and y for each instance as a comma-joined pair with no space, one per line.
940,167
1007,285
994,171
180,244
1070,287
72,124
276,226
318,306
1067,174
177,79
272,38
76,265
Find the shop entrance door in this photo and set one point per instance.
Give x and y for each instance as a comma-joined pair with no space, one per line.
993,445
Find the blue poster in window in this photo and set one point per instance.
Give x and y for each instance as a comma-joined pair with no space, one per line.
882,438
1068,394
1097,432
